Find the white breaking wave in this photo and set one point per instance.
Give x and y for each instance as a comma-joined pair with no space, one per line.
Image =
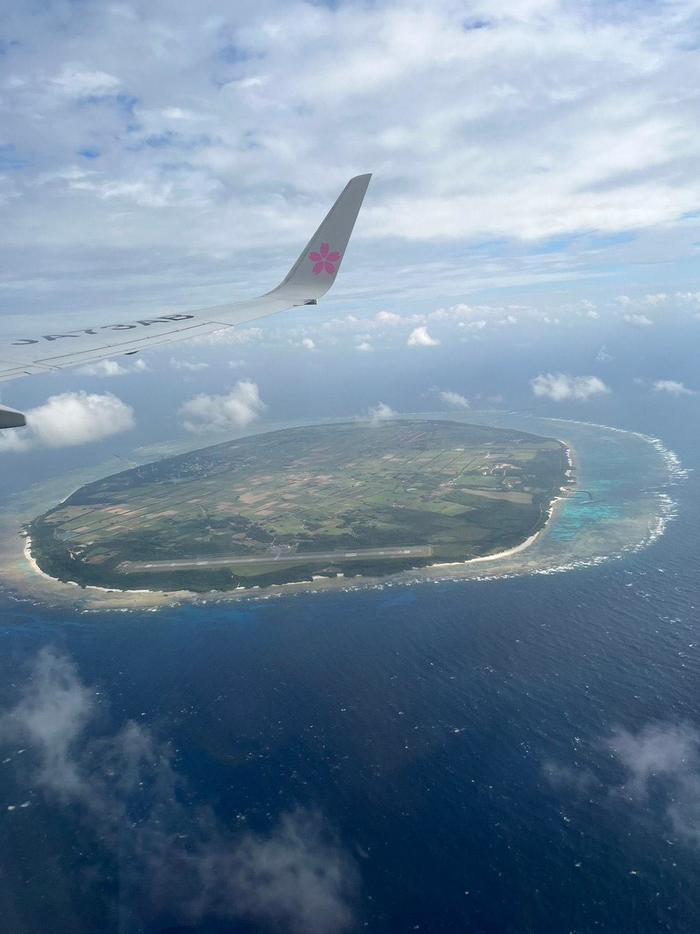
666,511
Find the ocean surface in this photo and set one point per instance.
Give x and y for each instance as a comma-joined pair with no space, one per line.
494,756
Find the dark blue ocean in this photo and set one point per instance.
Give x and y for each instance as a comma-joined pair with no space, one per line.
497,757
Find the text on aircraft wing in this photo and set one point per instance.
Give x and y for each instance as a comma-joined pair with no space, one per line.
307,281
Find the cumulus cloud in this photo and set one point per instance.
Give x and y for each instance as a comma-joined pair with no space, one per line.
455,399
109,368
104,368
637,320
175,857
364,346
70,419
192,366
237,409
560,387
588,310
419,337
308,344
231,336
388,318
380,413
672,387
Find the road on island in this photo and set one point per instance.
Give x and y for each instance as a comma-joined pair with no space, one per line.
413,551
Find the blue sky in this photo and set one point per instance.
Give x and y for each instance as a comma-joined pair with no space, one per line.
535,186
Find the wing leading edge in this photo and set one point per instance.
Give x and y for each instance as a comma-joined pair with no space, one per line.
306,282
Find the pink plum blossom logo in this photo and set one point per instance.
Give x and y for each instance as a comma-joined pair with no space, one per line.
324,259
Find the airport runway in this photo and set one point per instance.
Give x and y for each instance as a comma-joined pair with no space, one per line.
361,554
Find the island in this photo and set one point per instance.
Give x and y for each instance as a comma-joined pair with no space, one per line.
331,500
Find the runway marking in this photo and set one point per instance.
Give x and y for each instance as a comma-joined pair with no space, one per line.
413,551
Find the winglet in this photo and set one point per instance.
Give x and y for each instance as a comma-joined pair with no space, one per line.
315,270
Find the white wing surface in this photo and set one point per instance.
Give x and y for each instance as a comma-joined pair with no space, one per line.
307,281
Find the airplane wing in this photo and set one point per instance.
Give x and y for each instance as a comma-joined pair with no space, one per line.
305,283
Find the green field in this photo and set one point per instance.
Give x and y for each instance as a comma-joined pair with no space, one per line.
348,498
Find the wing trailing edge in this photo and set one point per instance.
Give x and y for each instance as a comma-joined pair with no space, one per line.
311,276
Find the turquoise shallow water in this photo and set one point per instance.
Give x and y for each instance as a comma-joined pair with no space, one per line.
625,483
461,756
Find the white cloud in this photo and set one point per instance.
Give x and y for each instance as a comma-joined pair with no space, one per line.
69,419
467,315
659,761
237,409
365,346
109,368
665,758
231,336
560,387
419,337
200,177
75,81
388,317
15,440
659,298
589,310
182,859
603,355
308,343
455,399
638,320
191,366
51,716
672,387
245,154
104,368
380,413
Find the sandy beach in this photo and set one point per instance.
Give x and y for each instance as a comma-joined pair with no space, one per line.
36,583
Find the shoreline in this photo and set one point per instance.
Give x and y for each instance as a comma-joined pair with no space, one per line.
516,549
320,582
588,536
33,562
